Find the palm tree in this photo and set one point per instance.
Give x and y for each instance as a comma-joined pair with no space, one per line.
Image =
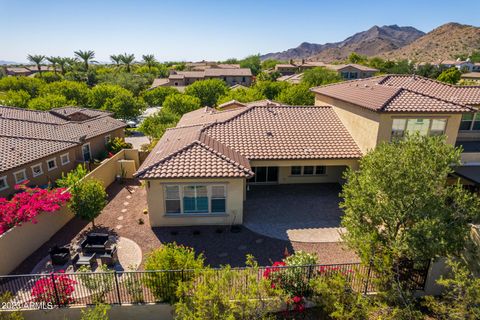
62,62
86,56
117,58
127,60
37,59
53,61
149,60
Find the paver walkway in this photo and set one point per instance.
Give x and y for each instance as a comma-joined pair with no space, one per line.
301,212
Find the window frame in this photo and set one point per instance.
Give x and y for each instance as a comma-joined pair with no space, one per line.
5,180
54,161
475,120
181,186
313,174
24,176
405,126
224,198
68,159
89,151
37,174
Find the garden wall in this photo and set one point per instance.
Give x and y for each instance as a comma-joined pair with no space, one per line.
20,242
123,312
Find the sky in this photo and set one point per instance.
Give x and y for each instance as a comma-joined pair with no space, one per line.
188,30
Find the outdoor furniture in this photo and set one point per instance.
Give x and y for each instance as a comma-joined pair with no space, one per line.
79,260
59,255
109,257
94,242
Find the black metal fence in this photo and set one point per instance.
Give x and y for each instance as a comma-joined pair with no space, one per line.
130,287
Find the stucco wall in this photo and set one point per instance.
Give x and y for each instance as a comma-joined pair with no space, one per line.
123,312
235,189
18,243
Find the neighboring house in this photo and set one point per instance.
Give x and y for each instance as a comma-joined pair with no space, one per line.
39,145
181,79
466,65
199,172
26,71
471,76
347,71
203,65
293,78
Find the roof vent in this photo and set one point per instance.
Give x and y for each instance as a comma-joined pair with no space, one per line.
12,148
83,138
269,134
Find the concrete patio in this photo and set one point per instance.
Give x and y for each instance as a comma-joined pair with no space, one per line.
300,212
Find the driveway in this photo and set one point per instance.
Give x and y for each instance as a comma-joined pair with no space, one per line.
137,139
295,212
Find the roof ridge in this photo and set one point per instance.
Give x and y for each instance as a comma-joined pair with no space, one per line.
40,139
349,81
399,90
428,96
209,125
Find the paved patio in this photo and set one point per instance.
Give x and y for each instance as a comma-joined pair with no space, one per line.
300,212
124,217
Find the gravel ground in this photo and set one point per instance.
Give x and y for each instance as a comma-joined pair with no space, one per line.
220,246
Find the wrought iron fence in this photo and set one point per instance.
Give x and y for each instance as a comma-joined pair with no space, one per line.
135,287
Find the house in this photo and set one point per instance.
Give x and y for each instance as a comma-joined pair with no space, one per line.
475,76
347,71
466,65
199,171
293,78
39,146
181,79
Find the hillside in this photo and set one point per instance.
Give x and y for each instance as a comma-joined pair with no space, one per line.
441,43
374,41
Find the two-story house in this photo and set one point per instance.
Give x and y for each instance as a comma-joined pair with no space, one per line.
39,146
200,171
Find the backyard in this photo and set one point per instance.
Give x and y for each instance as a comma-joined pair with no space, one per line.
124,217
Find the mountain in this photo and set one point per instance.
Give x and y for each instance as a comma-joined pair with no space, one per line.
374,41
3,62
442,43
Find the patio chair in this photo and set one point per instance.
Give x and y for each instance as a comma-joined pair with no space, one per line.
79,260
94,243
59,255
109,257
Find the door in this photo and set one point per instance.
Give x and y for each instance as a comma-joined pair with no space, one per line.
264,175
86,152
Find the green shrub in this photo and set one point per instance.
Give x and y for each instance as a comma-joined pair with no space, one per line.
48,101
72,177
30,85
74,92
98,95
157,96
297,95
97,284
117,145
208,91
100,312
49,77
155,125
170,257
88,199
181,103
13,98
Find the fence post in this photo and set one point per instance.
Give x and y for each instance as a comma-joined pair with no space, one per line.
368,276
118,288
57,298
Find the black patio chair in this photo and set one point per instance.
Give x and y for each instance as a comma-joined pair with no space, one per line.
59,255
94,243
109,257
79,260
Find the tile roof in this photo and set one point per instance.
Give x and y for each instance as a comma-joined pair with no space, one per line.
399,93
264,130
242,72
231,103
27,135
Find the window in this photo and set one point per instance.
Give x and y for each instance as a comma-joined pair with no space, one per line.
430,127
64,159
37,170
308,170
320,170
20,176
86,152
243,79
172,199
217,201
3,183
345,75
195,199
470,121
108,138
264,175
51,164
353,75
296,171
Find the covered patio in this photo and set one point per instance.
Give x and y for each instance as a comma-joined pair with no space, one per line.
295,212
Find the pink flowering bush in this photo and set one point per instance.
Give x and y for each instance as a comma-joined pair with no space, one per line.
44,289
26,205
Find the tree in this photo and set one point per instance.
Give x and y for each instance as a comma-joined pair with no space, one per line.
155,125
53,61
75,92
157,96
299,95
98,95
320,76
62,63
208,91
271,89
181,103
88,199
253,62
116,58
357,58
428,70
270,63
127,60
49,77
399,205
38,60
118,144
149,60
72,177
48,101
242,95
134,83
13,98
124,105
86,56
30,85
451,75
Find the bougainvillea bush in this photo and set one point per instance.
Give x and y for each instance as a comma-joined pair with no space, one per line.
27,204
47,288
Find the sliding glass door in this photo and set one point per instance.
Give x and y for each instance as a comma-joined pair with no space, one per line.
264,175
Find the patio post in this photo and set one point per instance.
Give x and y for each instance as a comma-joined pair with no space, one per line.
118,288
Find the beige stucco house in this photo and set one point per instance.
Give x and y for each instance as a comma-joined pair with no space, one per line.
293,71
199,171
39,146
